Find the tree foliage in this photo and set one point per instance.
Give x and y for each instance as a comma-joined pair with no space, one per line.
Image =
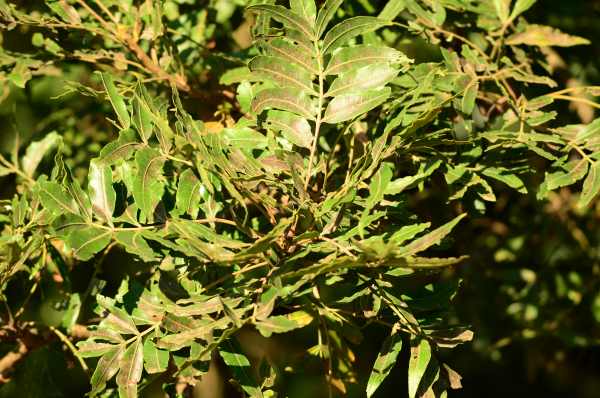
293,212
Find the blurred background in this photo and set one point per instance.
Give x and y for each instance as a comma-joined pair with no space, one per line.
530,290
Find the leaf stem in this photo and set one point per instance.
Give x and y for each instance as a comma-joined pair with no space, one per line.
313,149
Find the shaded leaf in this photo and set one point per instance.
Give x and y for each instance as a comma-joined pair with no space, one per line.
348,29
432,238
148,185
281,72
286,17
37,150
420,355
386,359
362,79
130,373
591,185
88,241
294,128
155,360
107,367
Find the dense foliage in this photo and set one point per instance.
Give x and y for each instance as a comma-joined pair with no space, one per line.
247,189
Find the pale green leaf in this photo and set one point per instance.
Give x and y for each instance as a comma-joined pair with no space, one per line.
285,49
520,7
282,72
386,359
325,15
349,58
294,128
305,8
155,360
130,372
420,355
188,193
347,107
294,101
100,188
392,9
359,80
107,367
239,365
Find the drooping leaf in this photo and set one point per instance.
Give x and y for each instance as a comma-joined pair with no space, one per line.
347,107
386,359
348,29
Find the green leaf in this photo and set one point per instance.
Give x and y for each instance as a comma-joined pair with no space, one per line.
591,185
282,72
545,36
520,7
575,171
469,97
392,9
506,177
502,9
155,360
55,199
239,365
287,50
290,100
116,100
590,131
386,359
325,15
37,150
305,8
432,238
188,193
420,355
148,185
133,242
102,193
347,59
347,107
107,367
88,241
294,128
91,349
130,373
244,138
288,18
363,79
142,120
348,29
121,149
283,323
